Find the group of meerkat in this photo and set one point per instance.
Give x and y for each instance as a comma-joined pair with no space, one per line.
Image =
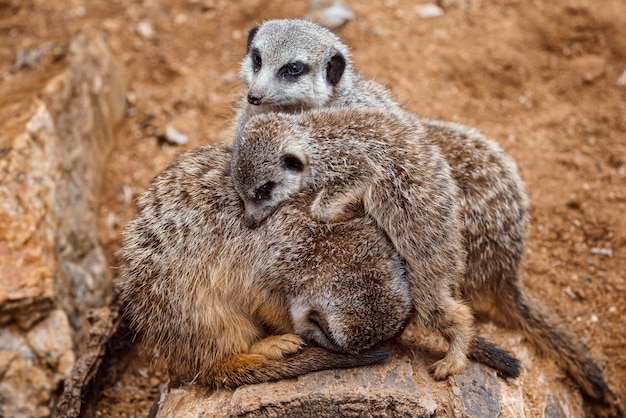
336,219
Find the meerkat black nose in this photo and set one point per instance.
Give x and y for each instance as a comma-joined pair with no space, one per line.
254,99
251,222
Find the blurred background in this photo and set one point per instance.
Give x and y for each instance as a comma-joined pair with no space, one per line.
547,80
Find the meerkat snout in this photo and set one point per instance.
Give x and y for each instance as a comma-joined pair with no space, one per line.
314,326
251,222
255,99
259,208
320,323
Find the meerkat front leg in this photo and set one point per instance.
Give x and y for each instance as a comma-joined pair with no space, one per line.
277,346
427,235
337,202
455,322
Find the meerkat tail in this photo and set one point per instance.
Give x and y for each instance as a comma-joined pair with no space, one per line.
250,369
553,340
489,354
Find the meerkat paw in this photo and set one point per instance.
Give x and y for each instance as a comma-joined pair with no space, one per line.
447,367
278,346
335,209
335,214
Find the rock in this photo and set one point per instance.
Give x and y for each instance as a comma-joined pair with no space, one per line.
105,324
480,391
377,391
33,364
401,387
53,145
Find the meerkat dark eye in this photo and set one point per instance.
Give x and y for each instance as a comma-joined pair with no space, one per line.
293,70
293,163
264,192
256,60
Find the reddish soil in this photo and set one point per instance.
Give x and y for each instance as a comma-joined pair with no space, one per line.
541,78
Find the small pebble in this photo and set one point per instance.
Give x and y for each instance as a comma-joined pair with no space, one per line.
126,194
112,25
602,251
229,77
28,57
590,67
333,16
180,19
110,219
569,292
594,318
174,137
429,10
80,11
144,29
621,81
612,309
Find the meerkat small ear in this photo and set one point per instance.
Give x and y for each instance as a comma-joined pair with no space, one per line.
251,35
335,68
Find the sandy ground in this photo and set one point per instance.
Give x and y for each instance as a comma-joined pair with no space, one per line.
544,79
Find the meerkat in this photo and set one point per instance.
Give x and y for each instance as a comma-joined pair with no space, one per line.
224,305
221,304
295,65
383,163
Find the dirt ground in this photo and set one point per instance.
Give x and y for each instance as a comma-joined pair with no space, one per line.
544,79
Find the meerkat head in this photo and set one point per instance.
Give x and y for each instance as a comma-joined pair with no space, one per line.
291,65
268,165
349,309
